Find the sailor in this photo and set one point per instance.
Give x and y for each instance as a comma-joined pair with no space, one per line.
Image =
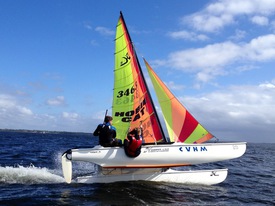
133,143
107,133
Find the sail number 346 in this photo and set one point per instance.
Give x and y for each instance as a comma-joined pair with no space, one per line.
127,92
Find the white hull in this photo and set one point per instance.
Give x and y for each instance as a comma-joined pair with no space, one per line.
204,177
154,156
159,156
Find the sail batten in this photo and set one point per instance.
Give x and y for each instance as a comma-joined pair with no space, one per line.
180,124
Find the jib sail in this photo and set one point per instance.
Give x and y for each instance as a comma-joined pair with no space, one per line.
181,125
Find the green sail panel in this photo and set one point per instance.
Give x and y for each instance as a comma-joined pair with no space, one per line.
132,105
181,125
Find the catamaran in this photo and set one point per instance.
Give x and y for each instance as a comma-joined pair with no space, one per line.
133,107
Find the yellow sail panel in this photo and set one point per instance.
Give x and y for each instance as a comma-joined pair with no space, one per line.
200,134
181,125
132,105
164,98
123,86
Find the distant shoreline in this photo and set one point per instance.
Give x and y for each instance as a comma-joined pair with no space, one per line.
40,131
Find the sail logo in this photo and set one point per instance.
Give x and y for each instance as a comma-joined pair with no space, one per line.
193,149
214,173
126,58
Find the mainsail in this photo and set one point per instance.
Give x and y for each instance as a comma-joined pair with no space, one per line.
181,125
132,103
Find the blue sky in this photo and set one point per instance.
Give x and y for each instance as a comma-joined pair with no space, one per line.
217,57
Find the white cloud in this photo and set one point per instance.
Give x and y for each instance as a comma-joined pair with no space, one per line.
211,60
188,35
70,116
219,14
207,62
208,23
6,101
13,112
9,105
260,20
267,85
261,48
57,101
15,115
25,111
104,31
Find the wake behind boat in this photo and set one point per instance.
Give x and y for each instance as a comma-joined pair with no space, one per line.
133,107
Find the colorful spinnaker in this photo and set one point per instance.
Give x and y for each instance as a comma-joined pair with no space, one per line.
132,103
181,125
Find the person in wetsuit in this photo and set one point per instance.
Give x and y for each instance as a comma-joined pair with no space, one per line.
133,143
107,133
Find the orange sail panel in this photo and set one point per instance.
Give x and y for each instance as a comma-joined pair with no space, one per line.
181,125
132,105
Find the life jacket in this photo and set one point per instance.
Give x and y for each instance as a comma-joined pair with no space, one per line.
133,148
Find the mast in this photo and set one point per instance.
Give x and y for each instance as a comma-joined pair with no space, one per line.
146,86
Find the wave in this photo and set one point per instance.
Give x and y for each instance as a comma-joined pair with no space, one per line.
28,175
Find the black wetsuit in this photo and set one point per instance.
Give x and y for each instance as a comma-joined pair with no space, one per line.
106,133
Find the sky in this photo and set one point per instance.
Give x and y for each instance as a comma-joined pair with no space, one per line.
217,57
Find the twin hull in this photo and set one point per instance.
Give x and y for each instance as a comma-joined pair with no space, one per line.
163,155
205,177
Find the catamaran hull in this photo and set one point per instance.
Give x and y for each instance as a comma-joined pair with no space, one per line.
159,156
203,177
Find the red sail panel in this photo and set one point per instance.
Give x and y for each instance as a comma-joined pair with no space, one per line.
189,125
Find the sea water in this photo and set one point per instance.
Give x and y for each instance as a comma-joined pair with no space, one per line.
31,174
